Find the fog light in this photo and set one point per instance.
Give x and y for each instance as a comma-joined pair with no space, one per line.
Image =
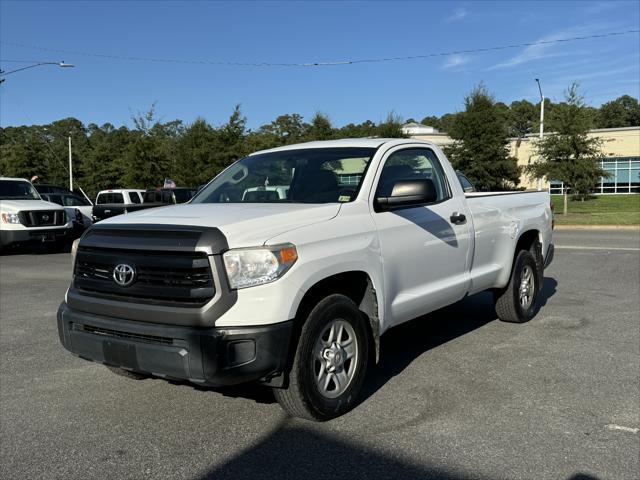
240,352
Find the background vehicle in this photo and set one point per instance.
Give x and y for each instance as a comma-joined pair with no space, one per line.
169,196
110,203
25,217
265,194
152,198
72,202
43,188
294,293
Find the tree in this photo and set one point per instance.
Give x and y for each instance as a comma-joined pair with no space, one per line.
286,129
522,117
447,122
481,143
320,128
568,154
146,162
624,111
391,127
431,121
351,130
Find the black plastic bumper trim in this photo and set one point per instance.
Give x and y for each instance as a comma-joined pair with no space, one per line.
210,356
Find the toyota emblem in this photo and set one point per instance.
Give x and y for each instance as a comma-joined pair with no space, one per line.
45,218
124,274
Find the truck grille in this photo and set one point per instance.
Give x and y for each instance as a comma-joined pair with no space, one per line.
107,332
43,218
160,278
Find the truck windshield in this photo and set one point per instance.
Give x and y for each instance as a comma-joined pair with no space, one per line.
314,175
17,190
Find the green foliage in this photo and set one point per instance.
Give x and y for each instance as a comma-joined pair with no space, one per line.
431,121
624,111
191,154
521,118
320,128
568,154
391,127
481,143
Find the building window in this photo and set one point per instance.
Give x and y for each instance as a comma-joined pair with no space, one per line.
348,179
624,177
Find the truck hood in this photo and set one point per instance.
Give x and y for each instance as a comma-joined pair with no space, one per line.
13,206
244,224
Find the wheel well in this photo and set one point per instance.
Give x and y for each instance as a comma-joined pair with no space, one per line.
530,241
527,240
357,286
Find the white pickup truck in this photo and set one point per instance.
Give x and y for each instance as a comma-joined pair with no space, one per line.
295,292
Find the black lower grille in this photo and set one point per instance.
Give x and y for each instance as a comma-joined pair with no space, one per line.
122,335
43,218
161,278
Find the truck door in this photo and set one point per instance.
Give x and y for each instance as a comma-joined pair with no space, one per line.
424,248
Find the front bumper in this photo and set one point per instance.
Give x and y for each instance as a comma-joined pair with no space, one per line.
7,237
210,356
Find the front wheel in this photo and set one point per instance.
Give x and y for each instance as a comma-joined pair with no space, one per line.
517,302
330,362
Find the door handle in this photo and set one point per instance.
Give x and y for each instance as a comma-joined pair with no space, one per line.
458,218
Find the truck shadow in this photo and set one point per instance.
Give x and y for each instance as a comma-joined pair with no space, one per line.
401,345
294,449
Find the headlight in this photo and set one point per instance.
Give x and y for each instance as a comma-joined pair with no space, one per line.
74,251
10,218
257,266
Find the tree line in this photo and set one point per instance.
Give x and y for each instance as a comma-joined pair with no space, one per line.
141,156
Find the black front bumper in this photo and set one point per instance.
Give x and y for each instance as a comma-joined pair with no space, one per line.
210,356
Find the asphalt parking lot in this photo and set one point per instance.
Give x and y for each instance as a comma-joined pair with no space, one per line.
457,395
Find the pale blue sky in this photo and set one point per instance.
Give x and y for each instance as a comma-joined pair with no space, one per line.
110,90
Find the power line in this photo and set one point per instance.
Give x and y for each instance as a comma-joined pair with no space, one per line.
5,60
320,64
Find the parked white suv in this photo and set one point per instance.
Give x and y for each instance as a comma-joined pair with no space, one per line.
293,290
25,217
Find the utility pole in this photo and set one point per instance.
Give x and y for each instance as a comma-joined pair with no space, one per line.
70,167
541,122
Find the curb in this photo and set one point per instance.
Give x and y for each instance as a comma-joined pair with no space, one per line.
597,227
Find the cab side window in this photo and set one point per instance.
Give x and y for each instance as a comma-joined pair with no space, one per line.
411,164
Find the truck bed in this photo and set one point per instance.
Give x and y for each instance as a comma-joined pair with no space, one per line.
498,218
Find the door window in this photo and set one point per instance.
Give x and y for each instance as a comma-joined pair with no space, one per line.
411,164
73,201
108,198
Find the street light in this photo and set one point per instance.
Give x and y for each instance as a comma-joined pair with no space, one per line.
541,122
39,64
70,169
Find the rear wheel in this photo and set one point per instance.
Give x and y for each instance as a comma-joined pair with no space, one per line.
517,302
330,362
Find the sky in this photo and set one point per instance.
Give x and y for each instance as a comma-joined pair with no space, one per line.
190,36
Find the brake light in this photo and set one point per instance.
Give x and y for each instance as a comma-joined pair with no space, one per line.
553,215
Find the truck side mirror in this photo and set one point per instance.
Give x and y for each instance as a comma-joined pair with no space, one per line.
408,193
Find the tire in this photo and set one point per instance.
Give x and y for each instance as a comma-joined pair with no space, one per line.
121,372
330,362
517,302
